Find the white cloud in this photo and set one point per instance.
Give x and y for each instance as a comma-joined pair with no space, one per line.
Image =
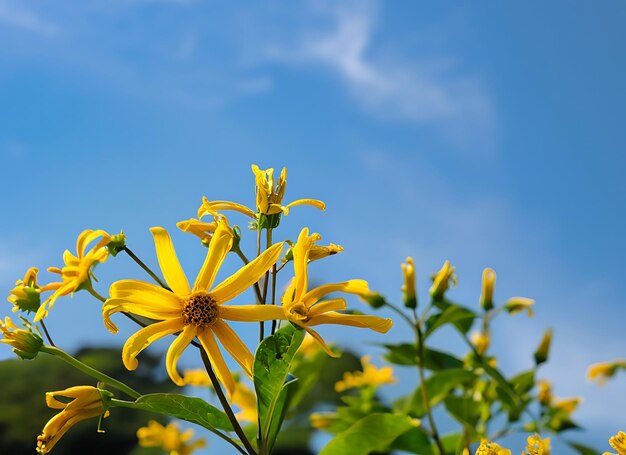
18,17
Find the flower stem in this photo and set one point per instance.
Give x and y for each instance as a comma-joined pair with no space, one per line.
245,260
90,371
262,300
224,402
45,331
145,267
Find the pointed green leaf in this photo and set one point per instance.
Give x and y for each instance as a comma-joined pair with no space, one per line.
438,386
462,318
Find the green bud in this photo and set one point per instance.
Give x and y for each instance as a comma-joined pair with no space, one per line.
117,243
26,343
541,354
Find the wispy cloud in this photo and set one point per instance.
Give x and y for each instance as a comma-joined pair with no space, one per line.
431,91
18,17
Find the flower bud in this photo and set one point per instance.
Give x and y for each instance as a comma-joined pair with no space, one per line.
117,243
541,354
489,282
441,281
26,295
408,289
26,343
519,304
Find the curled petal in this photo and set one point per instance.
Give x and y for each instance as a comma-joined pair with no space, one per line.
168,261
358,287
140,291
220,246
144,337
327,305
378,324
176,349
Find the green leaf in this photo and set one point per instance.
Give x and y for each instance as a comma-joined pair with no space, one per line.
438,386
271,367
439,360
373,433
582,449
462,318
191,409
464,409
523,382
406,354
414,441
451,442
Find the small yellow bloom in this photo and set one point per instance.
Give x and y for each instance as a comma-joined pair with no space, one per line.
544,393
491,448
408,289
87,402
601,372
193,312
618,442
26,343
26,295
519,304
538,446
169,438
309,347
196,378
481,342
370,376
305,308
489,282
567,405
442,279
77,269
322,420
245,399
541,354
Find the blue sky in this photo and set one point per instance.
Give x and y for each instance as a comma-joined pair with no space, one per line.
490,135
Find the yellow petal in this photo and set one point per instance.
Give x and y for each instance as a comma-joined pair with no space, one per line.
220,246
319,339
314,202
168,261
217,361
378,324
211,207
251,313
147,310
144,337
176,349
247,275
140,291
88,236
327,305
350,287
233,344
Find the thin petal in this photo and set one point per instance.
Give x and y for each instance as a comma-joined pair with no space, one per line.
378,324
147,310
88,236
251,313
221,242
168,261
233,344
314,202
247,275
176,349
327,305
210,207
350,286
144,337
217,361
319,339
140,291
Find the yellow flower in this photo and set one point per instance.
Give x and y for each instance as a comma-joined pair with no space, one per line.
26,295
200,229
408,289
194,312
442,279
519,304
541,354
489,282
26,343
245,399
269,198
322,420
305,309
87,402
567,405
370,376
544,394
169,438
601,372
491,448
481,342
77,269
309,347
197,378
538,446
618,442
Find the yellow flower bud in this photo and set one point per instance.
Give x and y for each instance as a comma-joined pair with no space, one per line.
481,342
489,282
26,343
541,354
519,304
410,296
322,420
441,281
567,405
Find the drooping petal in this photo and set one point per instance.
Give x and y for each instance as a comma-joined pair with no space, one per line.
176,349
313,202
211,207
251,313
350,287
144,337
378,324
168,261
140,291
64,289
217,361
146,309
233,344
220,246
247,275
327,305
317,338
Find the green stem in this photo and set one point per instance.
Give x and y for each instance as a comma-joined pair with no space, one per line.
262,300
45,331
245,260
401,314
90,371
145,267
274,273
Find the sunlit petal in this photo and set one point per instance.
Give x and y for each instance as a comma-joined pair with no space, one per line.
217,361
327,305
176,349
168,261
378,324
313,202
144,337
233,344
146,309
251,313
317,338
350,286
140,291
221,243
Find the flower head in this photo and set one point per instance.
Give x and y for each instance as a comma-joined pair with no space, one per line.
566,405
305,308
442,280
26,343
244,399
544,393
618,442
519,304
408,289
537,446
491,448
76,272
370,376
86,402
197,311
26,295
601,372
489,282
169,438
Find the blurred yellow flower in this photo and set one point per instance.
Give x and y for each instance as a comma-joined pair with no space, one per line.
408,289
322,420
618,442
86,403
197,378
489,282
567,405
245,399
25,343
544,393
201,229
76,272
519,304
304,308
193,312
481,342
309,347
441,280
26,295
491,448
538,446
541,354
601,372
370,376
169,438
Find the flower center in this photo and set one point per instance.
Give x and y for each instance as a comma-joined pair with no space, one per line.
200,310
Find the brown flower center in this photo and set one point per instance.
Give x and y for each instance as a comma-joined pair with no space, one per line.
200,310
